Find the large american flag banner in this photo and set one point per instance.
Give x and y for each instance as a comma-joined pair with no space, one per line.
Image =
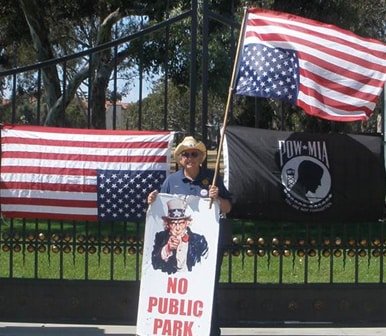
76,174
329,72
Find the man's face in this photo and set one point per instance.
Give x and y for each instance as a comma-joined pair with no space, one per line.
190,158
177,227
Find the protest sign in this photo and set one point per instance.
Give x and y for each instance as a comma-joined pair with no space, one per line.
178,266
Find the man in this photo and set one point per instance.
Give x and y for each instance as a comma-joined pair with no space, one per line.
177,248
194,179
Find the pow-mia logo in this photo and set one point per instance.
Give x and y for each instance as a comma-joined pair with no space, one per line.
305,174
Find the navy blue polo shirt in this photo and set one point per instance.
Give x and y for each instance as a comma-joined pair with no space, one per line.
177,183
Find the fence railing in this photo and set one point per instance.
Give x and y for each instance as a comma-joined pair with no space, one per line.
257,252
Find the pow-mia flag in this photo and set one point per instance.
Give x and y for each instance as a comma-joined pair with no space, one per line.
302,176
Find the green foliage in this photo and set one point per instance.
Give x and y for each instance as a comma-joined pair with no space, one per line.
178,117
76,115
5,112
71,26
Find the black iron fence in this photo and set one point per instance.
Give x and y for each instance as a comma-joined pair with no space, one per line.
24,101
272,273
258,252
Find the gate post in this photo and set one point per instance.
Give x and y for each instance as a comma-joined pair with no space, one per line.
193,67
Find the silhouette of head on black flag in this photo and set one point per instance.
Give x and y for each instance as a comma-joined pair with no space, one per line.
309,179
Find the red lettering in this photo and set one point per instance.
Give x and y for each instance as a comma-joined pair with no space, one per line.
186,310
197,308
152,303
163,305
182,286
177,328
167,328
156,325
182,308
188,328
172,285
173,307
172,327
177,285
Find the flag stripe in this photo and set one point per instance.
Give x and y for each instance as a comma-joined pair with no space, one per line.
32,213
82,157
53,172
330,61
332,98
50,202
336,86
72,133
339,49
43,179
318,29
47,170
88,144
81,188
52,209
316,108
54,195
17,162
330,74
69,204
97,151
340,74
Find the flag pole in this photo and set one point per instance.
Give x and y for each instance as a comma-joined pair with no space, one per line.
230,93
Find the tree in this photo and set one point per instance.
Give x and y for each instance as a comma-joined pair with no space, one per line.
62,28
36,31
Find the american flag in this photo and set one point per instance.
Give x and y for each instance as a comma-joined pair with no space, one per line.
329,72
122,195
75,174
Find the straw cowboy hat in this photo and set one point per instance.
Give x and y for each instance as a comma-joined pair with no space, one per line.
190,143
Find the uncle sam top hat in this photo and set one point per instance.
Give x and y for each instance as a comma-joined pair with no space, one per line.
176,209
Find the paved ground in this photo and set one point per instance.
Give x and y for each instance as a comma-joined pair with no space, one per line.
36,329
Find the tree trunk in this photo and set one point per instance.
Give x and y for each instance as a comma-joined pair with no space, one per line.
98,97
104,69
34,15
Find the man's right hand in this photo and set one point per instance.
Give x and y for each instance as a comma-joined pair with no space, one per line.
152,196
173,243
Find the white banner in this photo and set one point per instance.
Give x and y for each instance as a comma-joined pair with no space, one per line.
178,266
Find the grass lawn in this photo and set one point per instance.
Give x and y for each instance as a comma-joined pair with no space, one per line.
241,268
261,252
298,270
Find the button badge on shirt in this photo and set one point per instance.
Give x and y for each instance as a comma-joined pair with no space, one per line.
204,192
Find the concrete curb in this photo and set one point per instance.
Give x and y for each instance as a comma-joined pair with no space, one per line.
42,329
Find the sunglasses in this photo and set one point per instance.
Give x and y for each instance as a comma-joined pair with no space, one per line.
190,154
